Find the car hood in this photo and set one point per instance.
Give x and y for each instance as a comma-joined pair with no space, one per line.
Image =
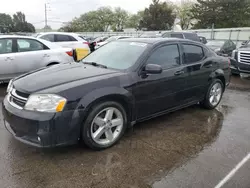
244,49
57,75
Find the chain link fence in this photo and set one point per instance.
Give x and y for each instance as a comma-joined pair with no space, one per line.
237,35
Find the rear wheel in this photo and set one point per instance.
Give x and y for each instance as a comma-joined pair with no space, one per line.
214,94
104,125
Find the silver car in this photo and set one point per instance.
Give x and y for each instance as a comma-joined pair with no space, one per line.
21,54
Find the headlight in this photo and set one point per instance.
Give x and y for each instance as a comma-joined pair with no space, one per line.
45,103
10,86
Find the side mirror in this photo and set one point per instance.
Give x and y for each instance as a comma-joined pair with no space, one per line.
153,69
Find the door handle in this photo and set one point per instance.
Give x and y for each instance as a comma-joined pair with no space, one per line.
9,58
179,73
45,55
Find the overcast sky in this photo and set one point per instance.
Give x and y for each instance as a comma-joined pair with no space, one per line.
64,10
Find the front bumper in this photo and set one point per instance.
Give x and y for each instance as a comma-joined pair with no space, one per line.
39,129
237,68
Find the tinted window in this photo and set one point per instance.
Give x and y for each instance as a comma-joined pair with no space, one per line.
64,38
166,56
5,46
192,53
191,36
49,37
165,35
177,35
117,54
26,45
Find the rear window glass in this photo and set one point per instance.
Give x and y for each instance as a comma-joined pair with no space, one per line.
191,36
177,35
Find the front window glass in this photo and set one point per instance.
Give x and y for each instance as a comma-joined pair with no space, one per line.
117,55
26,45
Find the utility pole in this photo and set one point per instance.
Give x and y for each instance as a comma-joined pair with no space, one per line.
46,20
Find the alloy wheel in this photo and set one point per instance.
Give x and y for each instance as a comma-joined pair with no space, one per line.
107,126
215,94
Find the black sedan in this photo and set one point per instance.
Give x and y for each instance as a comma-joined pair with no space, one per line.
124,82
222,47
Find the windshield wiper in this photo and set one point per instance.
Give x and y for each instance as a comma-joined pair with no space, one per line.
95,64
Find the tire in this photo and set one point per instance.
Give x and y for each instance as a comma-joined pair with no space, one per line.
99,113
206,103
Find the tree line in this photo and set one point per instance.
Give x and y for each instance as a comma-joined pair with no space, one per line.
15,23
162,15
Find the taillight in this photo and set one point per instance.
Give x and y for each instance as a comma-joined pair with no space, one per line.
86,43
70,53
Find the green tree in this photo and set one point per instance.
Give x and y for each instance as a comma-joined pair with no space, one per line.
221,13
134,20
94,21
6,23
120,17
184,14
159,16
20,24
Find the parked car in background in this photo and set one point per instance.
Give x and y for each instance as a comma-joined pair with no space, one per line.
100,39
222,47
20,54
203,39
69,40
110,39
182,35
122,83
150,35
240,62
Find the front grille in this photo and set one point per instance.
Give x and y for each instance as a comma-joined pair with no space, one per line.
17,100
244,57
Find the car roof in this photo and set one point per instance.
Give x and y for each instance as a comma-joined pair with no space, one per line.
63,33
16,36
156,40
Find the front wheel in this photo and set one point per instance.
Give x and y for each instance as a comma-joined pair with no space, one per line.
214,94
104,125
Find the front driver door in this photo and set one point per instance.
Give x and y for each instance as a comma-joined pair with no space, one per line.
158,92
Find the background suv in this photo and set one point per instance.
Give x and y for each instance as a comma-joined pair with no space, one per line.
182,35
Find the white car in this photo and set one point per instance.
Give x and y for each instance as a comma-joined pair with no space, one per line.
110,39
21,54
69,40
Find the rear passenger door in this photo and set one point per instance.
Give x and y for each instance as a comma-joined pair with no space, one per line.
31,54
199,68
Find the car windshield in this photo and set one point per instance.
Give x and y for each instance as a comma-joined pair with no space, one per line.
117,55
215,43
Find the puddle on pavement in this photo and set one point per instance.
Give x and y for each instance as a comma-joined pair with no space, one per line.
151,149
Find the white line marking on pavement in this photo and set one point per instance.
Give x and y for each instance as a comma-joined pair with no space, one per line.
233,171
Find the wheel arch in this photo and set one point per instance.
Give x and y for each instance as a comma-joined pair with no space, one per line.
119,95
52,63
218,74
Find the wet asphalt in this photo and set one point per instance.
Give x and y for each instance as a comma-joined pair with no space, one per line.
192,147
